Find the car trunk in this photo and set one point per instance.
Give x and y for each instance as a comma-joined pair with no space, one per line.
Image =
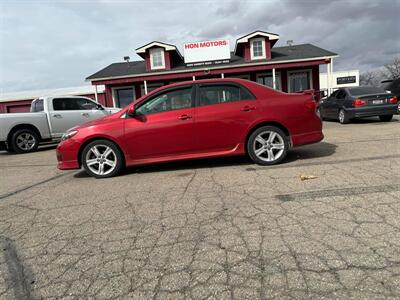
375,99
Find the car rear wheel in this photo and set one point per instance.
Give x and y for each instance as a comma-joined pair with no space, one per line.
24,141
386,118
101,159
268,145
343,118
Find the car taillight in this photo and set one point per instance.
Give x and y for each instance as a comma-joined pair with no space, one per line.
393,100
359,102
311,105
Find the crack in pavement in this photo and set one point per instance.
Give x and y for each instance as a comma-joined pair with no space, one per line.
20,277
339,192
32,185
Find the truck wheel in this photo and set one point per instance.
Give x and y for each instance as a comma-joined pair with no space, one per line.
101,159
386,118
24,141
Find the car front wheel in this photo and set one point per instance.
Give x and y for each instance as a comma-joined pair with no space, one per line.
268,145
101,159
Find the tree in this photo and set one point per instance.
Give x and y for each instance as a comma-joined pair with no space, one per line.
394,68
372,78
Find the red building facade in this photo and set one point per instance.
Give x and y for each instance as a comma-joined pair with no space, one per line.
290,69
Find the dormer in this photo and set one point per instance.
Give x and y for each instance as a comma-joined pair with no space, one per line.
256,45
159,56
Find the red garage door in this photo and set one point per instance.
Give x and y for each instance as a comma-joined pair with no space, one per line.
18,108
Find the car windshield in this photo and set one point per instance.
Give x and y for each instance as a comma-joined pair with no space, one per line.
365,90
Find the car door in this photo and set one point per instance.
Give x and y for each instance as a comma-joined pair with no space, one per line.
327,107
66,113
338,103
162,126
224,112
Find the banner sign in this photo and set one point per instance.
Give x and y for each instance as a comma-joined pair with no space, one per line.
206,53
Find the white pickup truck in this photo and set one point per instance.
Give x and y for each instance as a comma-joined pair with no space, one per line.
49,118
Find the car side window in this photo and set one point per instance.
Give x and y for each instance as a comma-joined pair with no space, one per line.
333,95
168,101
73,104
341,95
217,94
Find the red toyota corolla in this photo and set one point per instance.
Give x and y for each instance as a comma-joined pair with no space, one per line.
196,119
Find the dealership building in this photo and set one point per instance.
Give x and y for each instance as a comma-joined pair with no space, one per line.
254,57
292,68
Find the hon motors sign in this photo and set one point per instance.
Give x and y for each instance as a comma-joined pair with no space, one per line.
208,52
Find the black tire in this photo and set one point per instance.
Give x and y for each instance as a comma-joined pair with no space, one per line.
345,119
20,144
386,118
252,144
100,145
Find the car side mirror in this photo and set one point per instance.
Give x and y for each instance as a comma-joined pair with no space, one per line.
131,111
99,107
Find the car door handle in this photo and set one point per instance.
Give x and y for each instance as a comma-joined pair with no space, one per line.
248,108
58,116
184,117
85,115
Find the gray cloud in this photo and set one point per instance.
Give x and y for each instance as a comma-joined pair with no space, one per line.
48,44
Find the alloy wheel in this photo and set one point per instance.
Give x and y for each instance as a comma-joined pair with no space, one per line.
268,146
341,116
26,141
101,159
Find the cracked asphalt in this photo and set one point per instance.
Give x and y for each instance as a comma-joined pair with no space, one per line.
210,229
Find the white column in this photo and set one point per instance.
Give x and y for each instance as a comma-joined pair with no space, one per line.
194,78
95,93
222,75
273,79
332,83
328,78
145,87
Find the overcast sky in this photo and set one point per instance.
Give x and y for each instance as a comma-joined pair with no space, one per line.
52,44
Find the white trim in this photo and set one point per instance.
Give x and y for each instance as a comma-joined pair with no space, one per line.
194,78
157,44
113,93
252,41
243,76
151,53
246,38
222,75
70,91
253,64
277,75
299,71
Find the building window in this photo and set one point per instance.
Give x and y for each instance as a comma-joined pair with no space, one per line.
299,81
157,58
266,79
124,96
150,87
257,48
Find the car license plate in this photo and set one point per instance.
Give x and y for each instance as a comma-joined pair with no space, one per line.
377,101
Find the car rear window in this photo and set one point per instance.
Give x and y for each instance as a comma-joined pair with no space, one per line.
365,90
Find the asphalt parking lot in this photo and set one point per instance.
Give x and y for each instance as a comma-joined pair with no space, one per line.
210,229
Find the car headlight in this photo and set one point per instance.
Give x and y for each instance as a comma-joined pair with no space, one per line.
68,135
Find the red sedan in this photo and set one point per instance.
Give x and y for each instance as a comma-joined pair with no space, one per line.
197,119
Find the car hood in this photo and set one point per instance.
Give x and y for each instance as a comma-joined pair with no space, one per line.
102,120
